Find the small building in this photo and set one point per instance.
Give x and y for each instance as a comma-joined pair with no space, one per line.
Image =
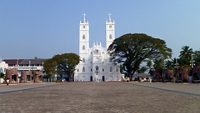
3,67
12,75
24,70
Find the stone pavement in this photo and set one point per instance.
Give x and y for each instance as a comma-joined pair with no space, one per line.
21,87
104,97
182,88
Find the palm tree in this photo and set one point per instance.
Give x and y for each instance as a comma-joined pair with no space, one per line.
184,61
185,56
196,58
158,66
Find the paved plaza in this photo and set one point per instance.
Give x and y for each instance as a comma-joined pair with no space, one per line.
104,97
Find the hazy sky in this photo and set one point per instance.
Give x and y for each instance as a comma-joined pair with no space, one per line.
43,28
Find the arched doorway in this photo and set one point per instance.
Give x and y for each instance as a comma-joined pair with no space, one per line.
91,78
103,78
14,77
28,77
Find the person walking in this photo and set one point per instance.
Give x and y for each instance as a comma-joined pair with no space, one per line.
7,81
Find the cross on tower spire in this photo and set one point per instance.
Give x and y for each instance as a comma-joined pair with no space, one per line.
109,17
84,17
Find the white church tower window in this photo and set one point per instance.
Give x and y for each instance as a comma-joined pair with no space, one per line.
97,68
110,36
83,70
111,69
83,60
83,47
83,37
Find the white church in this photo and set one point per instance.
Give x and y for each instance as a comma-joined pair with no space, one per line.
95,64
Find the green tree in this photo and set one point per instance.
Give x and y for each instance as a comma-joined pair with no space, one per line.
142,69
170,63
62,64
149,64
50,68
130,50
185,56
66,63
2,75
159,64
196,58
184,62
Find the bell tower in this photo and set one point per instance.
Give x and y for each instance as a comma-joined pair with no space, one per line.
110,31
84,37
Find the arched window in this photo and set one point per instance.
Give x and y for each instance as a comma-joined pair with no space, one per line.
117,69
97,68
83,47
96,51
83,60
83,26
111,69
83,70
110,26
83,37
77,70
110,36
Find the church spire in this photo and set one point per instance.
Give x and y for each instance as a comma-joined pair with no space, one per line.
109,17
84,20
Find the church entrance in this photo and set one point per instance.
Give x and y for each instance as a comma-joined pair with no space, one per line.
103,78
91,78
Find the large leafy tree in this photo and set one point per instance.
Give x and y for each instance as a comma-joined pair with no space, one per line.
130,50
66,63
62,64
50,68
185,56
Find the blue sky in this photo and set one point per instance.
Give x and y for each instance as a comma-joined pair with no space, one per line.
43,28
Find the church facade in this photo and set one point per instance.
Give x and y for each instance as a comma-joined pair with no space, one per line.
95,64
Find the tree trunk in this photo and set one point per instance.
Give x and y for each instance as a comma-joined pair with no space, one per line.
185,72
170,73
